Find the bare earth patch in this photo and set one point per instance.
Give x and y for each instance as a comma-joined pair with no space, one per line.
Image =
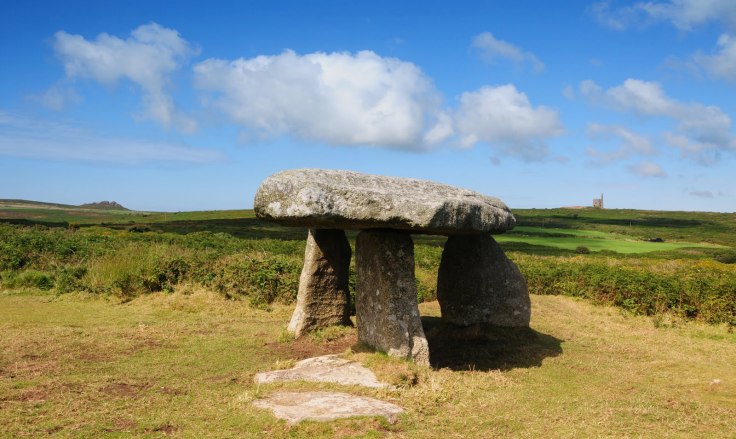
305,347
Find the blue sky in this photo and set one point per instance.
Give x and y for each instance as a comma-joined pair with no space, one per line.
182,105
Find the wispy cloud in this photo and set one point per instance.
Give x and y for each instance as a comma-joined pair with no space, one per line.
722,63
56,97
49,140
683,14
703,131
493,49
630,143
702,194
147,58
686,14
647,169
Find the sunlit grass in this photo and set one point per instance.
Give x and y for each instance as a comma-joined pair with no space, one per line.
594,240
182,364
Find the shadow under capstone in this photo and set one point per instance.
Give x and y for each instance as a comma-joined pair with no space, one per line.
485,347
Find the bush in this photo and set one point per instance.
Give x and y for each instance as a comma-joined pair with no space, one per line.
69,279
726,257
260,277
27,279
701,290
582,250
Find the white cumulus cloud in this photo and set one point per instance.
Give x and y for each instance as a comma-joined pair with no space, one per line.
492,49
337,98
503,117
148,57
703,131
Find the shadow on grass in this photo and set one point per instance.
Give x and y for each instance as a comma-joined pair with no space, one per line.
246,228
641,220
486,347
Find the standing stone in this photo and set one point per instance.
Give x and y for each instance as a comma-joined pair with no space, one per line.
477,283
386,295
323,299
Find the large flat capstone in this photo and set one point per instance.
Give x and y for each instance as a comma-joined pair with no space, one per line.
335,199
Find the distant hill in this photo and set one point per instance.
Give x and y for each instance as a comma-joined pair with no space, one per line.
107,205
20,204
29,203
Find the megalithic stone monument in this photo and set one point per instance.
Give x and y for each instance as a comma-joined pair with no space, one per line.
477,283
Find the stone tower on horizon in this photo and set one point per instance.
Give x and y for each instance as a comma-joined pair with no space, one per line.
598,202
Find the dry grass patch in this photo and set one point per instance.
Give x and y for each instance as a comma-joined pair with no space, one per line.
182,364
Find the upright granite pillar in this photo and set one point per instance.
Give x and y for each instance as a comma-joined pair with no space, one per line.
477,283
386,295
323,299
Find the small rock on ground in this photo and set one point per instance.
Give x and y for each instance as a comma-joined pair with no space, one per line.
326,369
325,406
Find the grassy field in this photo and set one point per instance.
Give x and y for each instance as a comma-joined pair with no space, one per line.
182,364
122,323
594,240
645,262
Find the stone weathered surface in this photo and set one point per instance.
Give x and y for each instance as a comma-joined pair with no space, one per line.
323,298
325,406
350,200
324,369
386,295
477,283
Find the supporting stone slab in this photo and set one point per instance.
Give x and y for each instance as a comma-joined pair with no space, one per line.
477,283
386,295
323,299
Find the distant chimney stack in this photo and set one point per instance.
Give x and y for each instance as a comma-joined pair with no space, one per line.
598,202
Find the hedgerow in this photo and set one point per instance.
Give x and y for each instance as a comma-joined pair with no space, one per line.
697,289
127,264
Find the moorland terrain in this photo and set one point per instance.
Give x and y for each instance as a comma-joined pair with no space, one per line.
117,322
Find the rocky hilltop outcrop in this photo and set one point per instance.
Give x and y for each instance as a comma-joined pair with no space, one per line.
109,205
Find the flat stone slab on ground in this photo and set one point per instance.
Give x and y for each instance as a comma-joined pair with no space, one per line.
325,369
350,200
325,406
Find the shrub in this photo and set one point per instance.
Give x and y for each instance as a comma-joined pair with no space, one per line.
69,278
259,277
702,290
582,250
28,279
165,273
726,257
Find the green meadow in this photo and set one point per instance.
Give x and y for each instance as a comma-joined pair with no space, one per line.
571,239
117,323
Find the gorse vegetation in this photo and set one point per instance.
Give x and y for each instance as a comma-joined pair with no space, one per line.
127,254
127,264
700,289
